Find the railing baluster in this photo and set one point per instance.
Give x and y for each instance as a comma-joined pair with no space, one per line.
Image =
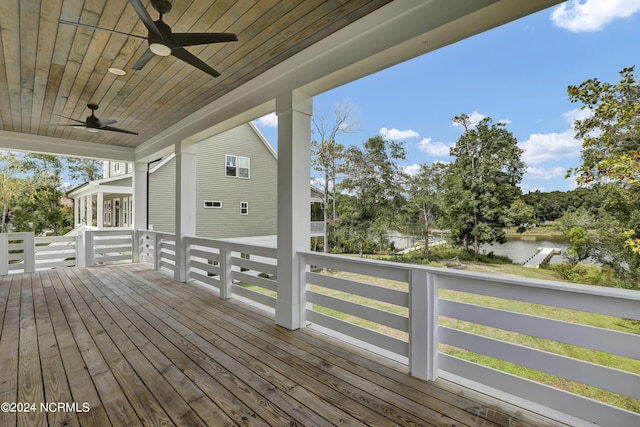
88,248
29,253
225,271
4,251
423,318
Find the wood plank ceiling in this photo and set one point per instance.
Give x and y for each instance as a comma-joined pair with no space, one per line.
49,69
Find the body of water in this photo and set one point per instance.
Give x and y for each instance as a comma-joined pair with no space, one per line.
520,249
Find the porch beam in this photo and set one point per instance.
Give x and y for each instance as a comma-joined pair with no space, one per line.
294,111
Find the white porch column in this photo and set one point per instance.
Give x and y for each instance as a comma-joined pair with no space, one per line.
294,171
139,185
185,204
100,210
83,210
139,199
90,210
76,213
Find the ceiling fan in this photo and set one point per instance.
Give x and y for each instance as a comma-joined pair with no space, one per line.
163,42
94,124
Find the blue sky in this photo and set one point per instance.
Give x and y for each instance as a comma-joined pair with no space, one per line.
517,73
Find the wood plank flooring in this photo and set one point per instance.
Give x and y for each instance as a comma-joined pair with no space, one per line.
126,346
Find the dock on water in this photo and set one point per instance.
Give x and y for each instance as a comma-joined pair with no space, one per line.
541,256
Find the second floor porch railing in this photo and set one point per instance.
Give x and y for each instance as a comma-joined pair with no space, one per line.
441,323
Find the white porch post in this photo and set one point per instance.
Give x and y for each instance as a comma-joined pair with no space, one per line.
139,214
90,210
83,210
100,210
76,213
139,211
185,204
294,171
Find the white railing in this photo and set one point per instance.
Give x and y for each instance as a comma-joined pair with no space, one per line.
234,269
408,316
24,253
157,248
107,246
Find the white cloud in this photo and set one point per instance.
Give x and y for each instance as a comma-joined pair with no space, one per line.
270,121
592,15
577,114
545,173
540,148
397,135
437,149
411,169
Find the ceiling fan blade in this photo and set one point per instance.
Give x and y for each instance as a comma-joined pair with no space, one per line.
71,125
78,24
146,57
192,39
103,123
146,18
191,59
68,118
112,129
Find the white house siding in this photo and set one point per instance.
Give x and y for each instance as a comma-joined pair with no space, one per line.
124,182
162,203
259,191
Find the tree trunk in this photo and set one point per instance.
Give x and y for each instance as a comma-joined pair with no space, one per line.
5,211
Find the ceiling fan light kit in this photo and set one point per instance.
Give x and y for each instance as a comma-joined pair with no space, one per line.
163,41
160,49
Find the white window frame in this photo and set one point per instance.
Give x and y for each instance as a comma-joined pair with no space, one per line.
212,204
125,211
244,208
236,165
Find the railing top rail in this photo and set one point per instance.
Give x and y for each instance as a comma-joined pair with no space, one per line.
574,288
238,246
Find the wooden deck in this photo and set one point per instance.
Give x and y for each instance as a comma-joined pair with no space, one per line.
125,346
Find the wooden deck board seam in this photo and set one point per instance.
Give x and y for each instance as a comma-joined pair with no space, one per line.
382,407
273,395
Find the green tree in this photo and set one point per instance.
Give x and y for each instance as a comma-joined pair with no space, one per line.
327,157
580,248
484,181
84,170
520,215
611,133
425,197
374,181
611,155
11,185
40,210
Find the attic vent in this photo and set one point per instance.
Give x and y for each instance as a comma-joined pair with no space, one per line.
212,204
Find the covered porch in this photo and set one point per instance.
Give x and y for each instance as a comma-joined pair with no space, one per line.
161,337
126,345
